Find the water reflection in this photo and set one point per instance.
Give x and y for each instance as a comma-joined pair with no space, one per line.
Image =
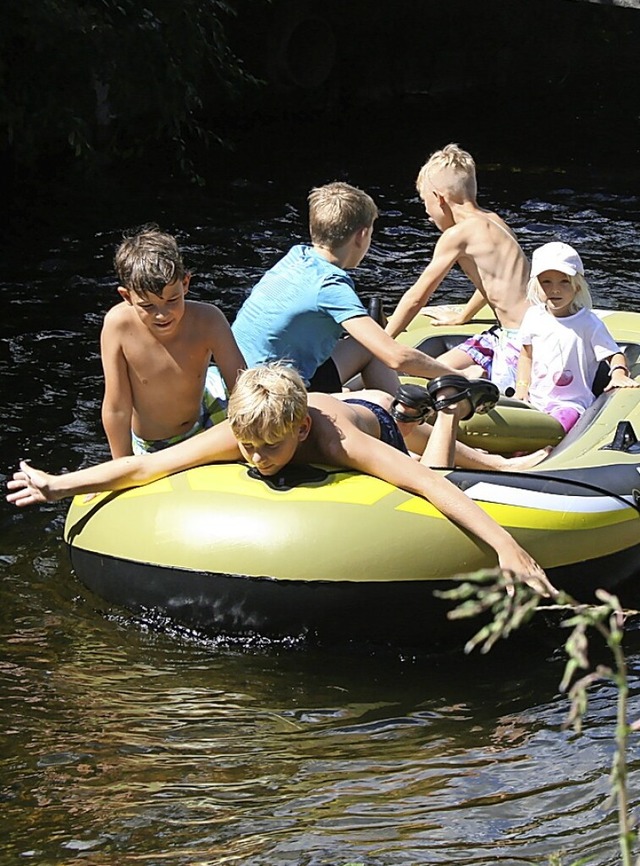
125,744
132,745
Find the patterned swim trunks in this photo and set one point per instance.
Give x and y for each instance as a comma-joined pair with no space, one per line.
496,351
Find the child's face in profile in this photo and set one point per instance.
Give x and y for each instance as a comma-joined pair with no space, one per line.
161,314
437,210
558,292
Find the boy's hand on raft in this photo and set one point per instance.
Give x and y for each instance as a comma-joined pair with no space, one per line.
444,315
31,486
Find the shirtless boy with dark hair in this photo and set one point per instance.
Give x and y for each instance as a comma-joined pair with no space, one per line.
157,349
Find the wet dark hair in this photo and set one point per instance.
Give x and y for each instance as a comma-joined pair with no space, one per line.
148,260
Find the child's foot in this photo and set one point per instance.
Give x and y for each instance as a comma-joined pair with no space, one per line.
526,461
412,404
480,395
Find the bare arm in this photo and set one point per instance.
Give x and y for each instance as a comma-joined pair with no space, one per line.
458,317
117,404
396,356
361,452
523,373
226,354
31,486
445,255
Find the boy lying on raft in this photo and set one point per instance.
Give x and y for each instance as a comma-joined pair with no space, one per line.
272,421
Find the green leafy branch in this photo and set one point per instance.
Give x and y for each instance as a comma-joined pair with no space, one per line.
509,604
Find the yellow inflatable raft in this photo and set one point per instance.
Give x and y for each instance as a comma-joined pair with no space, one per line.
330,555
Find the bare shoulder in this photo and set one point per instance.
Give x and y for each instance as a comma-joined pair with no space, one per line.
494,219
452,238
330,420
201,313
119,317
202,308
117,313
327,404
335,425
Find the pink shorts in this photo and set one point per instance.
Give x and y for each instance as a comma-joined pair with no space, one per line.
566,415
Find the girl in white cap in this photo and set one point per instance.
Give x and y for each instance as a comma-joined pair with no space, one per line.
563,341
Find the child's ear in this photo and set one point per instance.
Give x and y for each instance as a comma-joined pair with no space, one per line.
125,294
362,235
305,428
186,281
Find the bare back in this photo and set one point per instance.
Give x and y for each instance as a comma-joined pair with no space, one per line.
333,421
494,261
486,249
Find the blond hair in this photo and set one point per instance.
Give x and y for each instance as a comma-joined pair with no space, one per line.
450,172
267,403
148,260
581,299
336,211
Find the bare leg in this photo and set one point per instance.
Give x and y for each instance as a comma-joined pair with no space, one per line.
373,395
459,360
417,437
351,358
441,446
446,451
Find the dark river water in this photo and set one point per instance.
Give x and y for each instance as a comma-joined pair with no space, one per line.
124,743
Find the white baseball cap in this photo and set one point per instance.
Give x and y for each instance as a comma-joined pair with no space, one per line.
556,256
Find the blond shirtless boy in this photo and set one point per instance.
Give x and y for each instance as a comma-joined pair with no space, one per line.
273,422
157,349
487,251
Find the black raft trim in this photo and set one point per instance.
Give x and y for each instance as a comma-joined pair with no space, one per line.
291,476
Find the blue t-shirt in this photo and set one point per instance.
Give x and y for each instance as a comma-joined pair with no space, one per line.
295,312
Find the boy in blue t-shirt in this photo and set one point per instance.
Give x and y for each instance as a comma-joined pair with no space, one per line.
301,308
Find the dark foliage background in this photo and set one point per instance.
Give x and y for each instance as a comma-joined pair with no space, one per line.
154,91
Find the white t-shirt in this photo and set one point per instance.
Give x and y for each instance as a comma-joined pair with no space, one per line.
566,352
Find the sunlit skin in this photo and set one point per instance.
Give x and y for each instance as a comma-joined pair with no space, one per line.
153,346
486,250
559,292
332,432
269,458
438,211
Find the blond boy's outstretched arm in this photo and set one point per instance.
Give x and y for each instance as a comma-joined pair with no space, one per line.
31,486
382,461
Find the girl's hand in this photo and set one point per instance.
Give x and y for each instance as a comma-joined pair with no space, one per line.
31,486
621,381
